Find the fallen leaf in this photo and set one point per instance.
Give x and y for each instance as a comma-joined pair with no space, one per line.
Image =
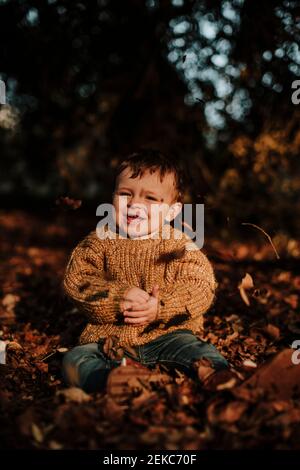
284,276
42,366
281,405
272,330
54,445
74,394
249,363
246,284
143,399
292,300
13,346
37,433
227,385
277,376
9,301
232,412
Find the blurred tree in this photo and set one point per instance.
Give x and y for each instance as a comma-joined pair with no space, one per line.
208,81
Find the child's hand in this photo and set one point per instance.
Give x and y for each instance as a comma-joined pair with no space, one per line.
144,312
134,297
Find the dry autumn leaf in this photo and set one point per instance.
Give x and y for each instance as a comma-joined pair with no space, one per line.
74,394
249,363
246,284
37,433
227,385
10,301
273,331
45,329
232,412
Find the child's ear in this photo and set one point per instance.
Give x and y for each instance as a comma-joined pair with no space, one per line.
173,211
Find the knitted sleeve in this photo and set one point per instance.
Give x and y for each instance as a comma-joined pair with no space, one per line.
88,285
189,288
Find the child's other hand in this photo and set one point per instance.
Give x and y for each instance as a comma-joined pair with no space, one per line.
145,312
134,297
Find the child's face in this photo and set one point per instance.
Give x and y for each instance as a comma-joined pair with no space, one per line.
143,203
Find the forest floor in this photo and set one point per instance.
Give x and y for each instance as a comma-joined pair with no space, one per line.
38,323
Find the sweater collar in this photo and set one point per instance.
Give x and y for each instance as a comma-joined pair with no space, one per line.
166,232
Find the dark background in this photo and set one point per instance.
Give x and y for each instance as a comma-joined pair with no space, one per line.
210,83
207,81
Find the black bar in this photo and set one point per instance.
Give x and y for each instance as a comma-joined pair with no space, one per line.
223,459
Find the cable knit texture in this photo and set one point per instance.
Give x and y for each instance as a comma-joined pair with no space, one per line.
105,264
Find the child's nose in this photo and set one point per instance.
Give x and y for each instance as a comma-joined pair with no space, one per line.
135,204
134,200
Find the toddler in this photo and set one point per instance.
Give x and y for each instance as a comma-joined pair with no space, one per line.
144,282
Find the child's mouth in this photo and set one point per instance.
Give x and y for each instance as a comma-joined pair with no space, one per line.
133,218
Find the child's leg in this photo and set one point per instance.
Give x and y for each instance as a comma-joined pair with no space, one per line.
182,349
87,367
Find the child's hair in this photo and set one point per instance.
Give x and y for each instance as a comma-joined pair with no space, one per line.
153,160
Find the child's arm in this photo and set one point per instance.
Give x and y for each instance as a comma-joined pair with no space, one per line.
86,283
191,288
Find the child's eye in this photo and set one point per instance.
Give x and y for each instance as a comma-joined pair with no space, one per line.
123,194
152,198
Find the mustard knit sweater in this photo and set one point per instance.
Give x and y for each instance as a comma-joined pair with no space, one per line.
101,269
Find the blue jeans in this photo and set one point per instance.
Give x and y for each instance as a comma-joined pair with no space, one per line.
87,366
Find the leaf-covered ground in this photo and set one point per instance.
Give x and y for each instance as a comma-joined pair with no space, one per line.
39,324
